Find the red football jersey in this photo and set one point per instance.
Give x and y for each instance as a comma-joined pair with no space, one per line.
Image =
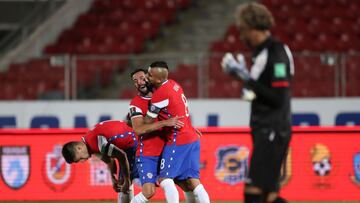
170,98
116,132
151,143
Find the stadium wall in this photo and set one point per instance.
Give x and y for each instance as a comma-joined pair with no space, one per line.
322,165
204,113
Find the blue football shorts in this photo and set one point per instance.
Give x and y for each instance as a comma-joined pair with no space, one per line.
148,167
180,162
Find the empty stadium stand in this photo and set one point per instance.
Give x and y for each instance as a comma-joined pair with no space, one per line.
306,30
326,48
108,28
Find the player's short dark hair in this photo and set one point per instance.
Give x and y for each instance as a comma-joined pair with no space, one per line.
255,16
68,152
159,64
137,70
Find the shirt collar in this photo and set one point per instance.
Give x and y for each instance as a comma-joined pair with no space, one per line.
263,45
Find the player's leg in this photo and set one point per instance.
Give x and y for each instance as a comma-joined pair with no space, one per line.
269,150
125,198
188,192
148,191
147,168
280,149
200,193
189,197
252,194
170,190
194,189
253,190
191,172
169,166
134,176
273,197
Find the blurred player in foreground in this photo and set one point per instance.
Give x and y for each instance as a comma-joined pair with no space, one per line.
268,87
181,155
108,140
151,138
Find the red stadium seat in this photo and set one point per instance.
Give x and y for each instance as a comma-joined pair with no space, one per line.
313,78
352,74
128,94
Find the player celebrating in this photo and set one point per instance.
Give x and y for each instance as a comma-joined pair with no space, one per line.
108,139
151,144
181,155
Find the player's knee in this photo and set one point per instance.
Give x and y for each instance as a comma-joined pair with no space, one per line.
148,190
161,179
273,197
249,189
192,183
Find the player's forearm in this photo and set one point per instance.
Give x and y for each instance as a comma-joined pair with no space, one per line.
147,128
273,96
145,125
124,166
148,119
112,167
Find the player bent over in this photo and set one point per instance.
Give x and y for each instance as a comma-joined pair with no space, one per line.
109,140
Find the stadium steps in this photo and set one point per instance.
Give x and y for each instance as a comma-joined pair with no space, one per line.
204,22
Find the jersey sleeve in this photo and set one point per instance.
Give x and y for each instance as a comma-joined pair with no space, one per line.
158,101
105,147
102,142
282,69
135,108
134,111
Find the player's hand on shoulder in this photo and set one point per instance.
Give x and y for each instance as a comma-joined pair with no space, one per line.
198,132
178,123
175,122
235,67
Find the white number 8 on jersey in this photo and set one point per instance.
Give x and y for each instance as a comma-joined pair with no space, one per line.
185,104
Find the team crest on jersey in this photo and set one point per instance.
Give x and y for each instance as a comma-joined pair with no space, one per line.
176,87
152,108
355,178
232,164
15,165
99,175
321,165
132,110
58,174
286,169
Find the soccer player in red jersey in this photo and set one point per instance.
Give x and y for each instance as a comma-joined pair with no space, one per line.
150,144
181,154
108,140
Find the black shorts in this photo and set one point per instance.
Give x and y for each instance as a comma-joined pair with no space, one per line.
269,152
